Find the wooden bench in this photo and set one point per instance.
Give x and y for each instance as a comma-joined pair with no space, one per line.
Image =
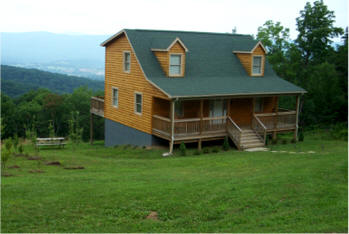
55,141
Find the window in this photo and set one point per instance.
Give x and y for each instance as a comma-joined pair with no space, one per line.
115,97
175,64
138,103
127,61
258,105
179,109
257,65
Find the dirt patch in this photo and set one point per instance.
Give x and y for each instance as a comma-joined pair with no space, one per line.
36,171
14,166
34,158
4,174
153,215
53,163
74,167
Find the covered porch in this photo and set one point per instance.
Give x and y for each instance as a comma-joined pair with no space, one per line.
246,120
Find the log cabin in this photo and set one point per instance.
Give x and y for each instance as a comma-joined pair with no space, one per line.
181,86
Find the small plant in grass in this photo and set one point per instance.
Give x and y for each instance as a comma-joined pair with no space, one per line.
20,149
6,153
75,132
183,149
284,141
51,129
226,144
15,143
197,152
274,141
215,149
293,141
206,150
8,144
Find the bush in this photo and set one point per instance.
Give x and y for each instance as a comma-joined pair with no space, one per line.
274,141
20,149
197,152
215,149
301,136
183,149
284,141
293,141
206,150
339,131
8,144
15,142
5,155
226,144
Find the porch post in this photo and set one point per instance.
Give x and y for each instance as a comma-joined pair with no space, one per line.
172,126
201,122
297,117
276,107
91,128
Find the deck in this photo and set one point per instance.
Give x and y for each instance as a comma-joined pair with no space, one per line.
97,106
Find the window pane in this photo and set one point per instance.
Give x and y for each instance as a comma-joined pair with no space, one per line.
257,65
139,108
175,60
175,70
127,61
138,98
138,103
258,107
115,97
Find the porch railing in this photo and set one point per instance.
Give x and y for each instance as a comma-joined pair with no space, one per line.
162,125
234,131
259,128
278,121
97,106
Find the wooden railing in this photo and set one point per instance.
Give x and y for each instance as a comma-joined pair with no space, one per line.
259,128
97,106
234,131
279,121
162,125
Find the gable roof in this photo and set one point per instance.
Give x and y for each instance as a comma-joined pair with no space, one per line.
170,46
212,69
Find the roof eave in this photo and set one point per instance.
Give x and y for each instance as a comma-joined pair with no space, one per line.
116,35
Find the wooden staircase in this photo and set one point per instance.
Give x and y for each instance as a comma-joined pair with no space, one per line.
249,139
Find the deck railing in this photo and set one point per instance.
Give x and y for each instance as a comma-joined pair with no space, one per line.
234,131
279,121
162,125
97,106
259,128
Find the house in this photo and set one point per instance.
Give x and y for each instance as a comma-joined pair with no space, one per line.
182,86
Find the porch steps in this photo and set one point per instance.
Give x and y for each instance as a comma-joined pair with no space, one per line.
249,139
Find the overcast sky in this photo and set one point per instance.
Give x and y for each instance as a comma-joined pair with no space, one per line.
108,17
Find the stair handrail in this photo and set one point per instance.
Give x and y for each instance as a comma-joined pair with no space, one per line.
229,118
263,126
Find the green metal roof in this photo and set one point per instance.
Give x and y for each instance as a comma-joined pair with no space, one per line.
212,69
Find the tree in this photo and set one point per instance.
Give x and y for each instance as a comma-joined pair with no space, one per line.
315,27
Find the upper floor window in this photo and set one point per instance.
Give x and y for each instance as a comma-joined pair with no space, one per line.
257,65
115,97
138,103
175,64
127,61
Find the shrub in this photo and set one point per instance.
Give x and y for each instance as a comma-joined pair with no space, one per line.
8,144
5,155
301,136
20,149
293,141
15,142
226,144
51,129
206,150
274,141
215,149
284,141
197,152
339,131
183,149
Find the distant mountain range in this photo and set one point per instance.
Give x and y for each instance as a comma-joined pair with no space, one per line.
78,55
16,81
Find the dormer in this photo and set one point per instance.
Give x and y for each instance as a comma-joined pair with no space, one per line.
172,59
253,60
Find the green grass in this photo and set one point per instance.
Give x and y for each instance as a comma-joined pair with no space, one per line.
217,192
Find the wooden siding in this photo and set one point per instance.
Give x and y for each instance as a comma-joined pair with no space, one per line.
246,60
127,84
163,58
161,107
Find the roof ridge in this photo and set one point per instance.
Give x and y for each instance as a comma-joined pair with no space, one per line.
178,31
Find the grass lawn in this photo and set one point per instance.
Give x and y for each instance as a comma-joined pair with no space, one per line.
217,192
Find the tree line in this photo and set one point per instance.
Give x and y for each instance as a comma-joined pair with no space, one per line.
47,113
313,62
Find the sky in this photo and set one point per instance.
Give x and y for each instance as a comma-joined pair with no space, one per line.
110,16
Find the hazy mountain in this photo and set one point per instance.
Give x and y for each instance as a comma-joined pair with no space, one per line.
79,55
16,81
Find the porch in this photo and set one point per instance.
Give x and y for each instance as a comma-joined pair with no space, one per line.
218,119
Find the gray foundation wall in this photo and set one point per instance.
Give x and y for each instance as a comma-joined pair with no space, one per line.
118,134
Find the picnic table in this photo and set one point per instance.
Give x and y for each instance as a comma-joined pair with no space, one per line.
55,141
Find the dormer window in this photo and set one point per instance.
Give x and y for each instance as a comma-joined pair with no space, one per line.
257,65
175,65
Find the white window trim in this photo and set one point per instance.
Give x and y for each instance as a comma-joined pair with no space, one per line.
124,61
169,64
262,65
112,102
135,103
